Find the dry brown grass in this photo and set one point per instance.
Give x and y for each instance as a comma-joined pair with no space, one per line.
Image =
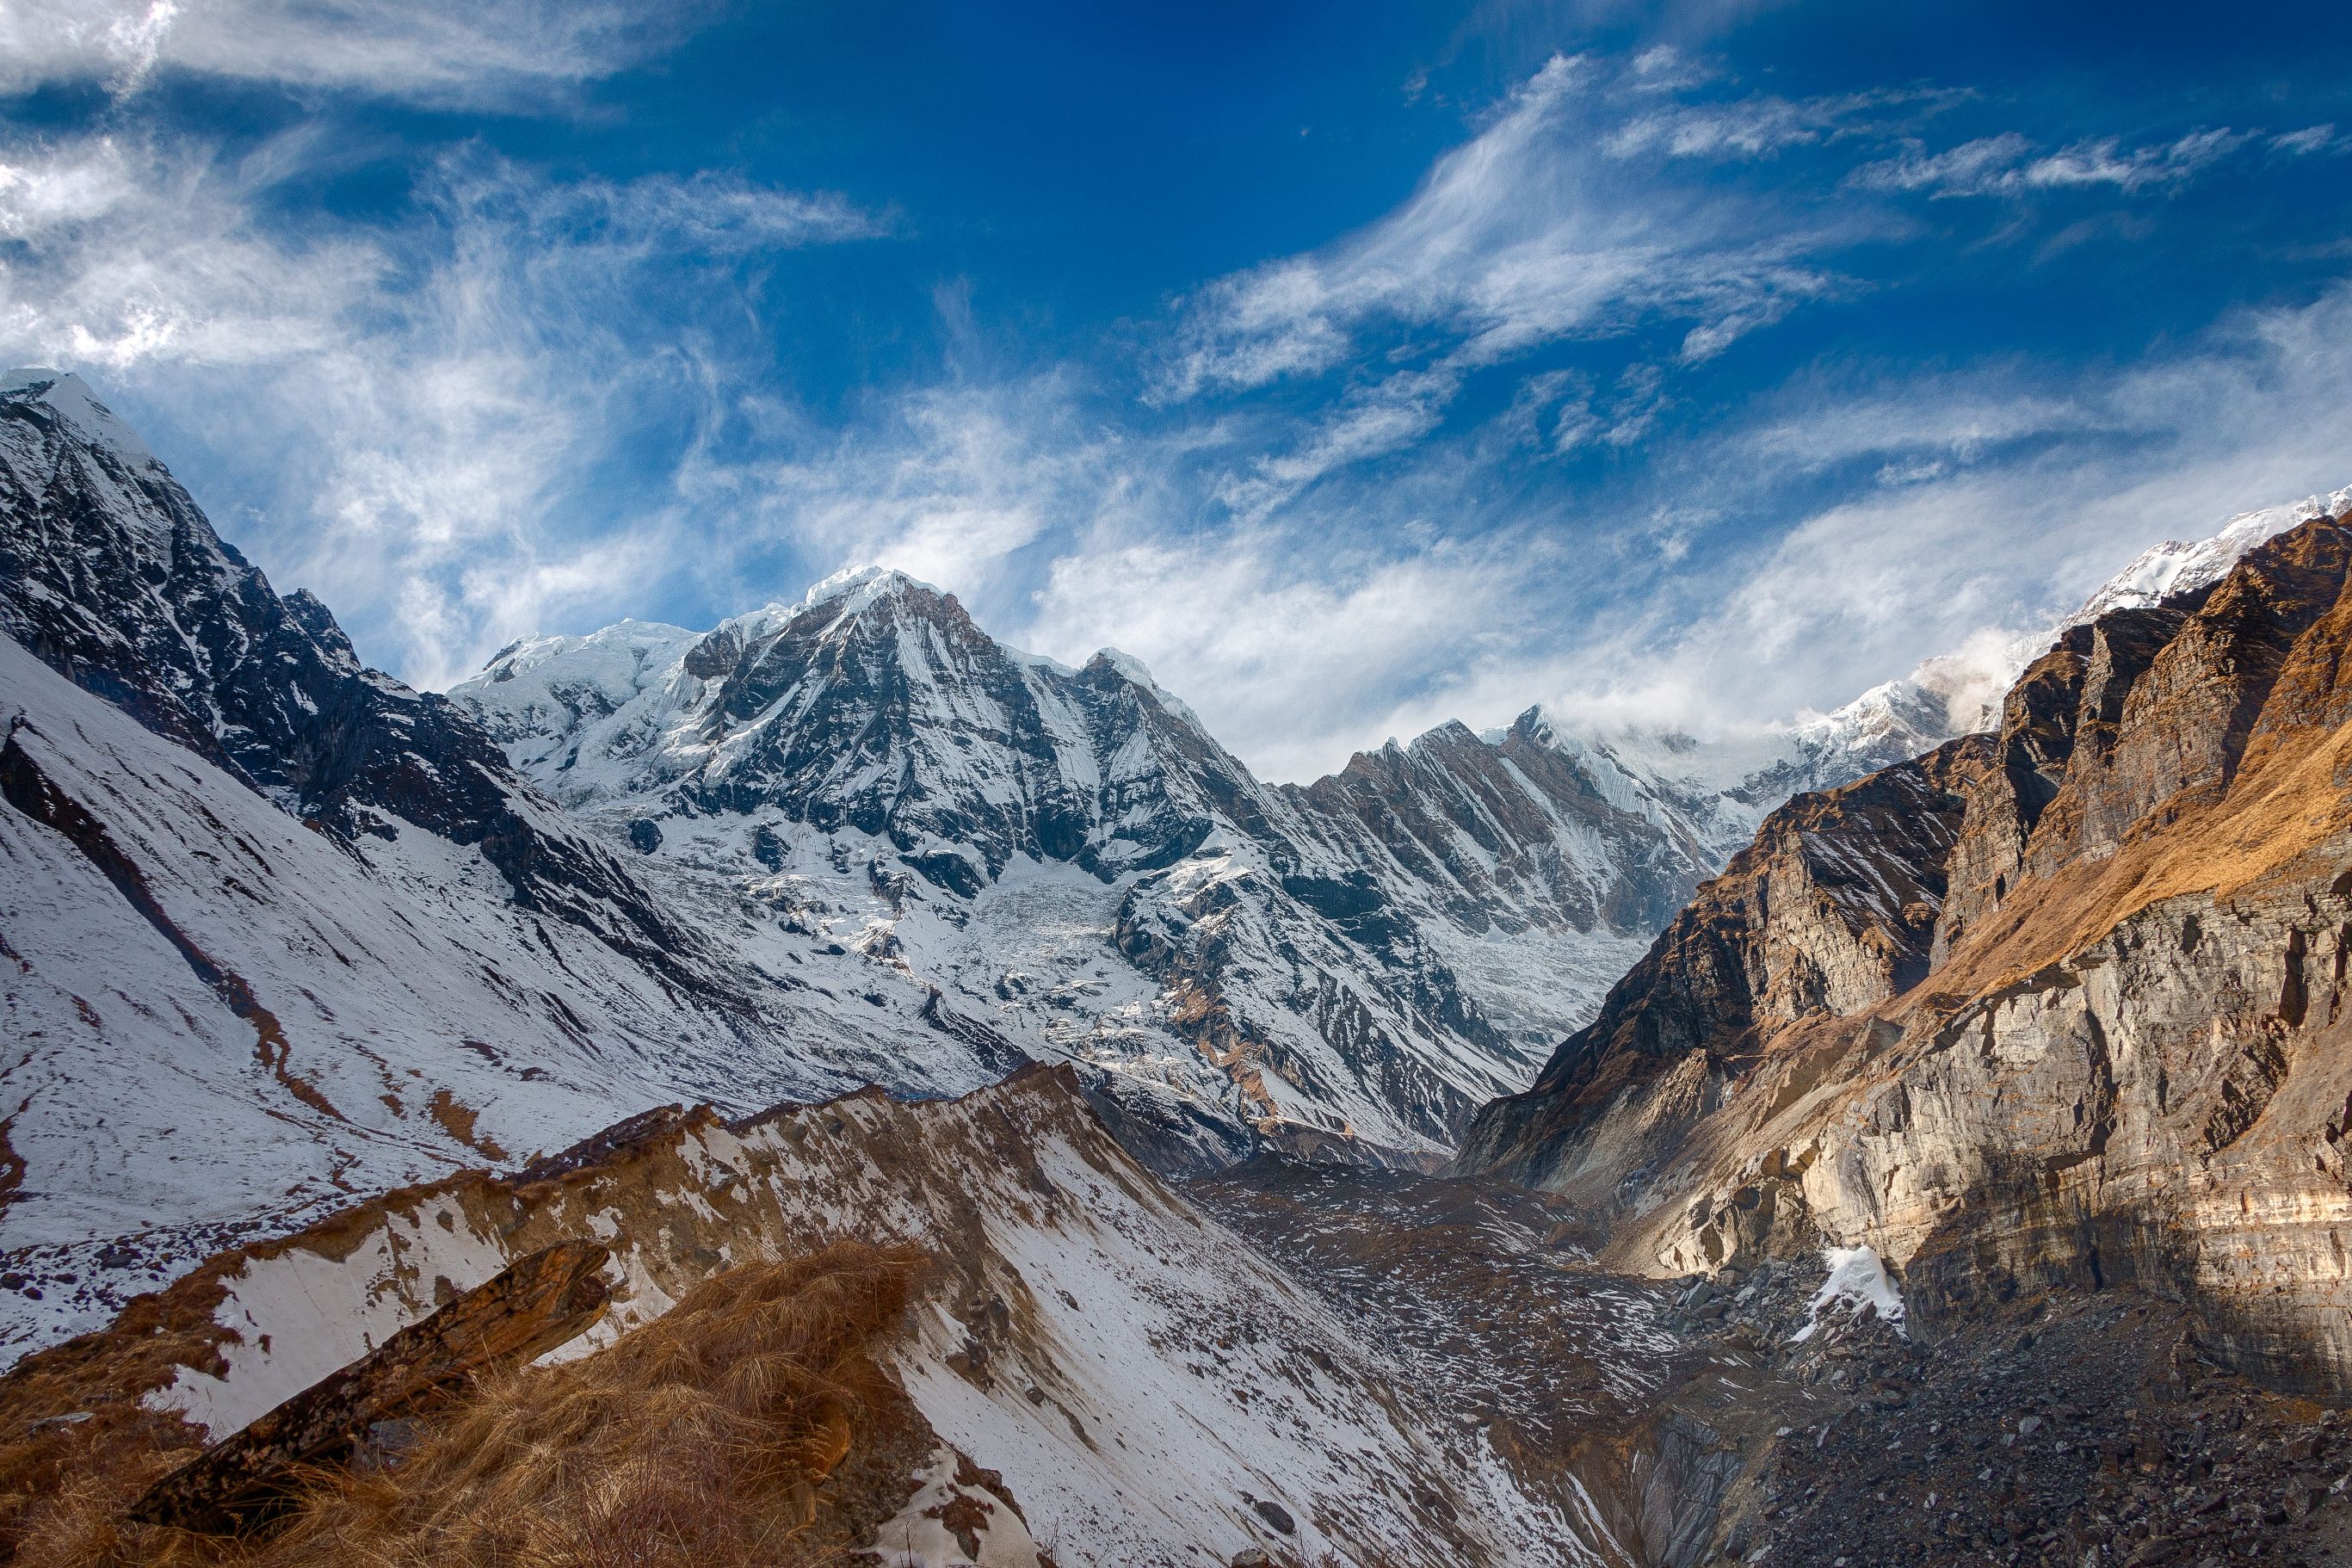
697,1441
2289,804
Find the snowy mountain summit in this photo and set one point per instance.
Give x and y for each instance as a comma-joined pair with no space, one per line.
873,706
279,930
2179,566
1079,867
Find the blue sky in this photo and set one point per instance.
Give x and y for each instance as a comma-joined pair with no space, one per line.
1355,367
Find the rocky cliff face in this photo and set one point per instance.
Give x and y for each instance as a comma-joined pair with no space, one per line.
2066,1008
1831,911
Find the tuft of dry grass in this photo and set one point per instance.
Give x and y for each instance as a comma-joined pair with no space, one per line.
698,1440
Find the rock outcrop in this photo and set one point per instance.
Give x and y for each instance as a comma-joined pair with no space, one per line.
2067,1010
1831,912
533,1305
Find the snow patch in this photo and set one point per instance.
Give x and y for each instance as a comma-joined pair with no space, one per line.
71,397
868,582
920,1537
1858,1278
2178,567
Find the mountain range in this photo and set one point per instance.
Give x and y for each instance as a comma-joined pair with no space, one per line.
850,839
1077,866
1542,1145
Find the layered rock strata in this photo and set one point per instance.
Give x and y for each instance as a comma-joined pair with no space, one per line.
2059,1006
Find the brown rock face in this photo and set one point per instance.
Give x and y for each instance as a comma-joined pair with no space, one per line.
2061,1005
1830,912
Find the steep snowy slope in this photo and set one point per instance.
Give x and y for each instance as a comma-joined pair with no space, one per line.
110,575
295,931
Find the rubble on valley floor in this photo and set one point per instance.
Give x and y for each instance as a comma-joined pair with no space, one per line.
2083,1430
2078,1431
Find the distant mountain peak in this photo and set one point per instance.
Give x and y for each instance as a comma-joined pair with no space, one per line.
93,421
861,586
2178,566
1126,664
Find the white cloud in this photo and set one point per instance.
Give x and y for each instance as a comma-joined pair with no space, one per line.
944,483
1520,236
45,191
2309,140
419,408
133,254
1619,420
1975,503
2001,165
2102,163
1539,230
1662,68
1967,169
2252,414
1763,126
1956,417
434,51
1386,417
1293,661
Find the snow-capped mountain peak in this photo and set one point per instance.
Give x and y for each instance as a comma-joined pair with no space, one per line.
74,401
280,929
2178,567
861,586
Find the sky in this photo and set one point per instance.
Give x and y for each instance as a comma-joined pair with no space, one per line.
1357,368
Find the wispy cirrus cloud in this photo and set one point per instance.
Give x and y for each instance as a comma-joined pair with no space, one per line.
2309,140
2003,495
1369,421
1965,505
1520,236
1562,220
1763,126
433,404
1295,663
2008,164
947,482
428,51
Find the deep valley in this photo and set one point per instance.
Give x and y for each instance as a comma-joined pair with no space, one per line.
886,1097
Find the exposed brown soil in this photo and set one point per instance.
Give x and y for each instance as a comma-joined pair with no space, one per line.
459,1120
